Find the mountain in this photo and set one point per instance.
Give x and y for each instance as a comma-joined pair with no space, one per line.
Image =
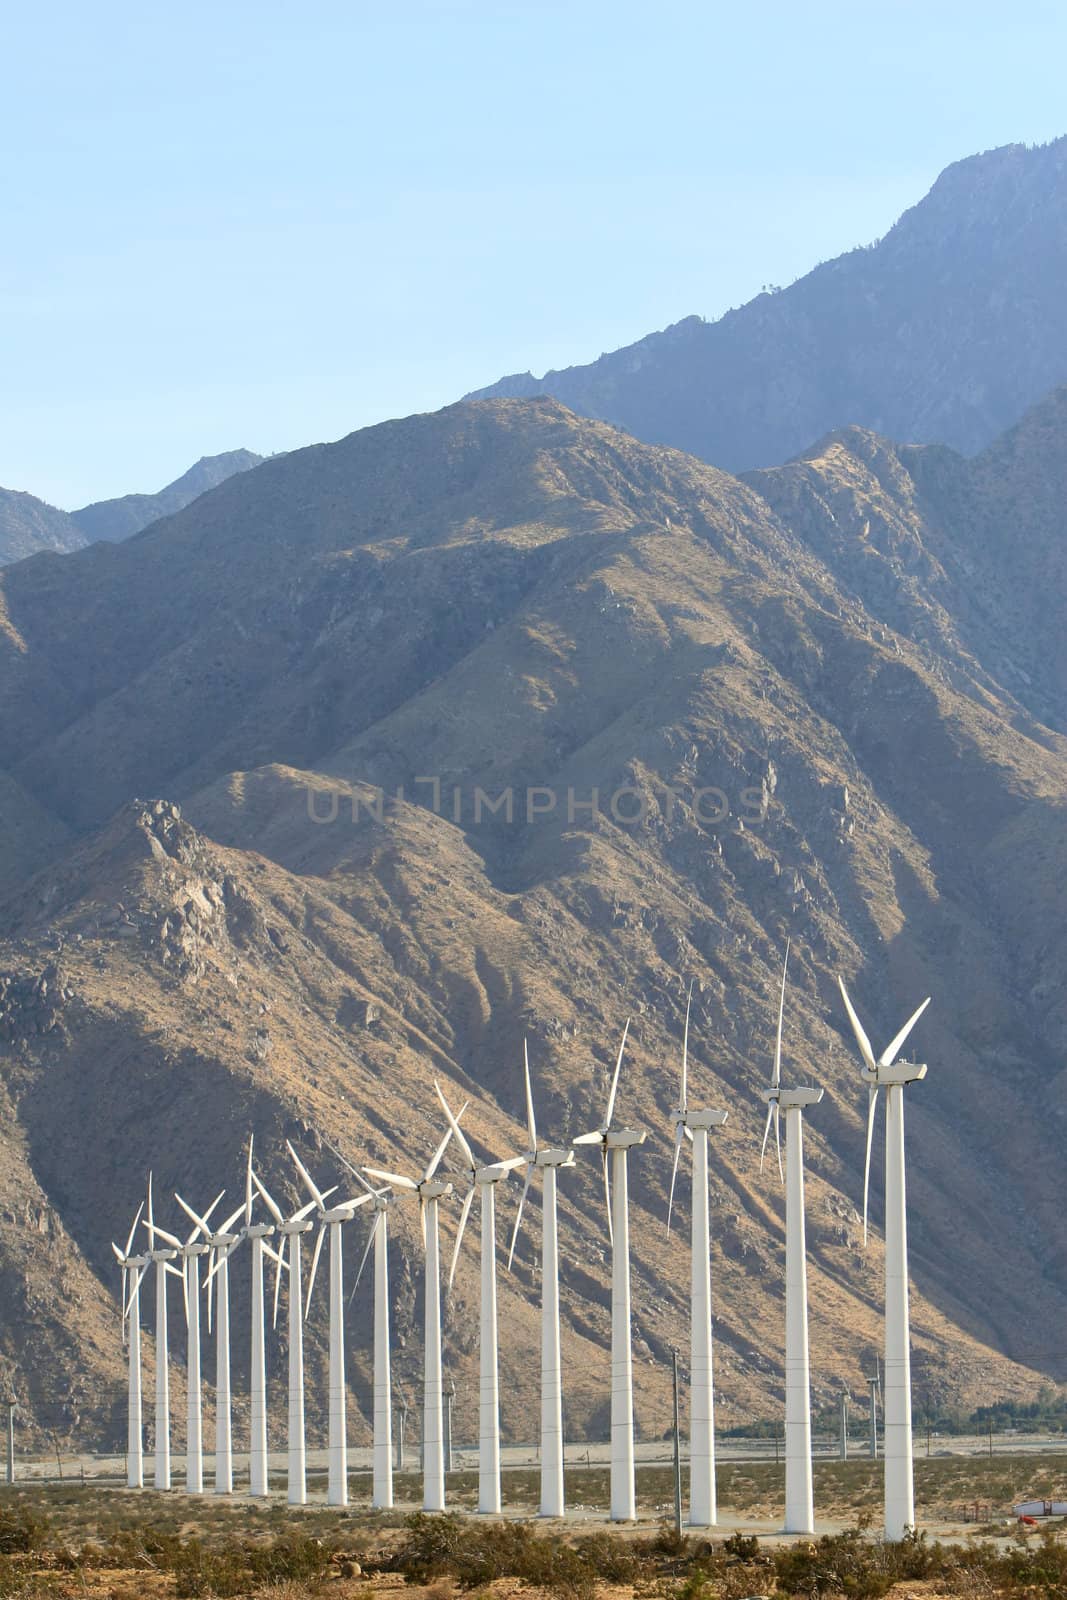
498,724
28,525
122,518
944,331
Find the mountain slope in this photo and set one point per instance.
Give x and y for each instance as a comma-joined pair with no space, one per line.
122,518
945,330
341,666
28,525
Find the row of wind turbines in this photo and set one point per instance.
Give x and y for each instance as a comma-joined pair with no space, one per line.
259,1219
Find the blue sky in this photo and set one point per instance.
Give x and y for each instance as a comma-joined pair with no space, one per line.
264,225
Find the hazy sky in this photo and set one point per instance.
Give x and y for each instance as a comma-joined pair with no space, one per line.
262,225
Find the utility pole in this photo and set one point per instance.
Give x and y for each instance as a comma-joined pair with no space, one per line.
10,1403
449,1398
677,1449
873,1384
400,1435
844,1426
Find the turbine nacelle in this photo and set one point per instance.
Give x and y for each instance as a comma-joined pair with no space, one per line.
900,1072
791,1099
623,1138
295,1225
259,1230
706,1119
554,1158
434,1188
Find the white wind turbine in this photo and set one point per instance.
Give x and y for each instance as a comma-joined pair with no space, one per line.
331,1220
799,1506
382,1476
162,1258
221,1245
484,1179
290,1230
190,1252
430,1190
257,1234
549,1160
694,1125
896,1409
618,1142
133,1266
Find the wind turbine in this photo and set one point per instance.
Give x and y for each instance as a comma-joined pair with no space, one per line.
162,1258
799,1506
134,1266
484,1179
331,1220
549,1160
221,1245
896,1408
290,1229
430,1190
382,1475
618,1142
191,1251
694,1125
257,1234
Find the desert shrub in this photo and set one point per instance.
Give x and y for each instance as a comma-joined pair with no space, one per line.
207,1572
742,1546
1034,1563
610,1559
21,1529
847,1564
475,1554
294,1557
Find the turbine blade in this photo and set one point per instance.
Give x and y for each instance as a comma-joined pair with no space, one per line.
597,1137
766,1135
872,1102
309,1181
683,1102
455,1127
278,1277
778,1140
194,1216
443,1146
518,1215
133,1230
776,1081
298,1216
511,1163
678,1141
248,1184
314,1267
422,1222
122,1299
531,1120
607,1193
394,1178
889,1054
464,1214
271,1204
615,1078
366,1253
119,1257
858,1029
185,1287
136,1285
151,1214
168,1238
235,1216
210,1287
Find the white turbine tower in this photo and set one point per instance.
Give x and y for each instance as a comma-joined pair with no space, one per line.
896,1410
484,1179
694,1125
221,1244
430,1190
799,1506
382,1478
162,1258
618,1142
331,1220
133,1266
190,1252
553,1500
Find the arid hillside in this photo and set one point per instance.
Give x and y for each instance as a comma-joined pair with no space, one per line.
498,723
